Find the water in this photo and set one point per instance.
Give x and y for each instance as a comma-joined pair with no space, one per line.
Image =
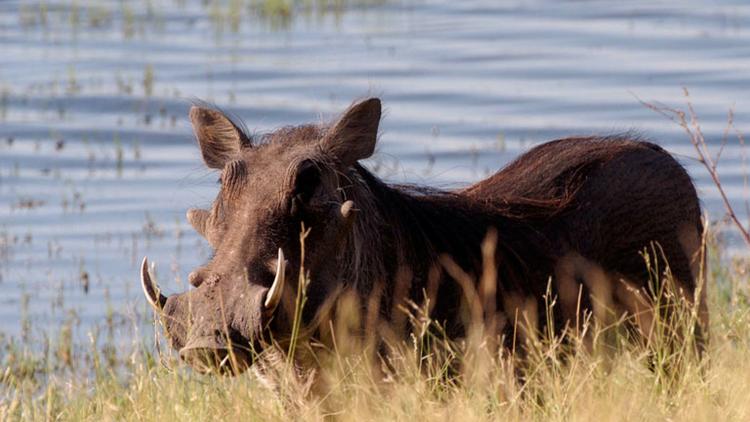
98,164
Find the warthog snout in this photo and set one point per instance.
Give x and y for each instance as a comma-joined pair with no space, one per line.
213,326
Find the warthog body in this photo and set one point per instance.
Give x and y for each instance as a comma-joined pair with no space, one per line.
578,211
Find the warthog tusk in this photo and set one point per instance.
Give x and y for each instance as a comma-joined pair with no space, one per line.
273,297
151,290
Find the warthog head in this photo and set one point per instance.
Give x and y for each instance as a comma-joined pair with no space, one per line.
271,187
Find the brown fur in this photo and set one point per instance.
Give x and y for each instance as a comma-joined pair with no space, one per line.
579,209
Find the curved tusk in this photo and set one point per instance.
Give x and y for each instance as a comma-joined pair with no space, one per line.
150,289
273,297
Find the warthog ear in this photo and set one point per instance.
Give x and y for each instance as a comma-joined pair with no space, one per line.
219,138
353,137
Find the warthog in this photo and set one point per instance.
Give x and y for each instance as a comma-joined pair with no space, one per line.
577,211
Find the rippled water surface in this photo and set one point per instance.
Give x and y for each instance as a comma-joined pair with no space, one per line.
98,164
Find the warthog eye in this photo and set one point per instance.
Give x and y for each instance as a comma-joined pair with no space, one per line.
306,182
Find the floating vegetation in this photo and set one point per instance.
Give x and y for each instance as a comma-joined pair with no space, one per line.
7,241
119,154
95,15
74,14
148,80
136,150
99,16
72,87
128,21
124,86
283,12
150,228
500,142
74,203
143,17
29,16
4,100
84,276
26,203
279,13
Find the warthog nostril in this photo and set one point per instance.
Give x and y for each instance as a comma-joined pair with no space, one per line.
195,279
202,275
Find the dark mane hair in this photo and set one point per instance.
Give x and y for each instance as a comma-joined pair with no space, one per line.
543,183
538,206
402,231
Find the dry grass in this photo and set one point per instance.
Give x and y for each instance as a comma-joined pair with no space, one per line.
662,379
